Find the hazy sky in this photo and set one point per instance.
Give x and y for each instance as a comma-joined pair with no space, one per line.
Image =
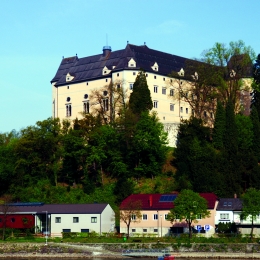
35,34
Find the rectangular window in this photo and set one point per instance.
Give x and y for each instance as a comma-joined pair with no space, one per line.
145,217
171,92
187,111
66,230
58,220
133,230
166,216
163,79
134,73
68,110
86,107
131,86
155,216
154,77
155,230
117,74
224,215
164,91
155,89
93,219
75,220
181,109
144,230
155,104
133,217
105,104
118,86
171,107
84,230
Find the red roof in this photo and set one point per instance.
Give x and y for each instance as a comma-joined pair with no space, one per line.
152,201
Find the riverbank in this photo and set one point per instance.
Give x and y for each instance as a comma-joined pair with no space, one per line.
77,251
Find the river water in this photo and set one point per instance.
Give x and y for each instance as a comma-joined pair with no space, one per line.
103,258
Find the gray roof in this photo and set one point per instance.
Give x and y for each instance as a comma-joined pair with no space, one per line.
95,208
89,68
230,204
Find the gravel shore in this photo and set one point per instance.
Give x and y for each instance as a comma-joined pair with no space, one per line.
66,250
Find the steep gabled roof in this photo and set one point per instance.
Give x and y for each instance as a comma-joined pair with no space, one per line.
154,201
230,204
90,68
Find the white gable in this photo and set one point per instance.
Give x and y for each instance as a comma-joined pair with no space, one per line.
181,72
155,67
69,77
105,71
132,63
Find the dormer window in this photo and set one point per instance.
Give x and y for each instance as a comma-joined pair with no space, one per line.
155,67
132,63
105,71
69,77
181,72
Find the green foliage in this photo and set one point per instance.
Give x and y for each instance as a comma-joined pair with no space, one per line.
187,206
256,132
244,128
140,99
251,206
219,127
227,227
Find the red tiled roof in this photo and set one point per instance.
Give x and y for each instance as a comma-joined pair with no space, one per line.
151,201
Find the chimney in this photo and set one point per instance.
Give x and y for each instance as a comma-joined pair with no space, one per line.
106,50
150,200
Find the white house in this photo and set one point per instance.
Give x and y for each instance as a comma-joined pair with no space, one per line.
57,218
229,210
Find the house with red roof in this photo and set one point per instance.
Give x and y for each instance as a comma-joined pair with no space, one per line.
155,209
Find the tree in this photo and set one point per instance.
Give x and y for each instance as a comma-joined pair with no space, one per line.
219,127
131,212
256,85
6,208
196,87
108,102
251,206
256,132
140,99
188,206
235,62
230,138
148,149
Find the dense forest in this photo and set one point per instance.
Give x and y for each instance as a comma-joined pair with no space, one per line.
100,159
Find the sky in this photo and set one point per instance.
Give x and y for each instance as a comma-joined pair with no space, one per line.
36,34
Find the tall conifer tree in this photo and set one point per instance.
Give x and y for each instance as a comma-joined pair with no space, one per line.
219,127
140,99
256,132
230,134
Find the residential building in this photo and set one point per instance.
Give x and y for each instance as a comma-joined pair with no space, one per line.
57,218
229,210
155,210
